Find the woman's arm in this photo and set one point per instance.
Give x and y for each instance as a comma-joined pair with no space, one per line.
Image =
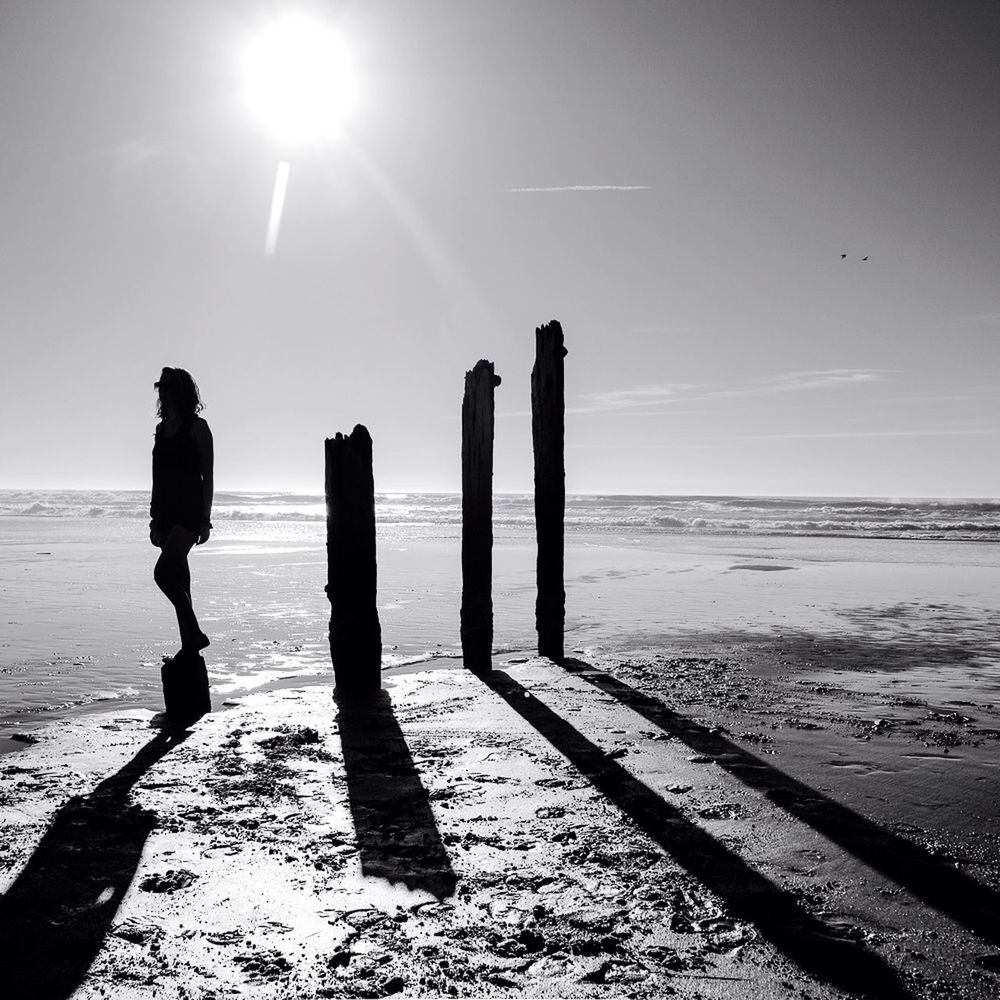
155,534
206,454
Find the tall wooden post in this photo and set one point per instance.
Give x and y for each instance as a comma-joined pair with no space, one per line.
355,632
548,408
477,516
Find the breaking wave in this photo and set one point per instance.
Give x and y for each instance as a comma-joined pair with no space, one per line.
975,519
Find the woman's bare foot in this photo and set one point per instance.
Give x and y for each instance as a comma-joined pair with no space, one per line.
196,645
200,642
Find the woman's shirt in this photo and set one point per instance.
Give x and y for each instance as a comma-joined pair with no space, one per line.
177,479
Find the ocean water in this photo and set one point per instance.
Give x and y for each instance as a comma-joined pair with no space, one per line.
82,624
860,517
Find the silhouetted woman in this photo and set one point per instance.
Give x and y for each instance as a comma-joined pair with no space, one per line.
181,505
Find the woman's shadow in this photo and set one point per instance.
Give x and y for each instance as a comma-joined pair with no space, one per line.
56,915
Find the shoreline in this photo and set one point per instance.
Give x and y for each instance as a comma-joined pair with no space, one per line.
17,729
68,644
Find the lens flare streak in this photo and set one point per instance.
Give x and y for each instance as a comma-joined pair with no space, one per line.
277,207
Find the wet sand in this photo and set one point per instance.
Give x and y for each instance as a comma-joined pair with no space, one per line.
719,816
72,638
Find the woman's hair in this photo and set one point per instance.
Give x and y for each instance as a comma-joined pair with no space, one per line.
182,390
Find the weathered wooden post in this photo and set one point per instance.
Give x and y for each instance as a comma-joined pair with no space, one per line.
548,409
185,687
477,516
355,632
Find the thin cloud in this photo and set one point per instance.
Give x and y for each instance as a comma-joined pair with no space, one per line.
808,381
989,321
643,395
639,399
871,434
134,153
836,377
580,187
679,397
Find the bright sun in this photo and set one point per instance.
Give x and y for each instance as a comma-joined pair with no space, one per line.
299,80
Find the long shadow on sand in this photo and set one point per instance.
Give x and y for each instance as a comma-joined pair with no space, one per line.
396,832
748,895
936,882
54,918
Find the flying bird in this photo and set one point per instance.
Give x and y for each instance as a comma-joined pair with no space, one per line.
843,256
864,258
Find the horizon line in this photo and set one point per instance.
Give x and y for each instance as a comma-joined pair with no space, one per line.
528,493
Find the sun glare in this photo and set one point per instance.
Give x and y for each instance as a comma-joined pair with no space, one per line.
299,80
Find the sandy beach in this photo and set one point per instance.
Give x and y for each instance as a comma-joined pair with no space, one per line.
725,814
767,768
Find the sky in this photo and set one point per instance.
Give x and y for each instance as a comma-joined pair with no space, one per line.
676,182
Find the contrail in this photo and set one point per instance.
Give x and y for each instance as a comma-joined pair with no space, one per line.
581,187
277,206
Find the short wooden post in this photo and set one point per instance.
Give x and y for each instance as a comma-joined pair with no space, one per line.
355,632
185,687
548,408
477,516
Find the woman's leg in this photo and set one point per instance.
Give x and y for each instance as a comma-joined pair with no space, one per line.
173,577
184,578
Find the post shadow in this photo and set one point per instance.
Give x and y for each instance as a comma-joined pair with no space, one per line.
843,964
56,915
934,881
396,832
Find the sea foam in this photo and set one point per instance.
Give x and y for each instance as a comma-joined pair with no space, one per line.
856,517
